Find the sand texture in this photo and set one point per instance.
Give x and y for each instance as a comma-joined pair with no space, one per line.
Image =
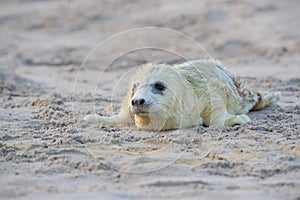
50,78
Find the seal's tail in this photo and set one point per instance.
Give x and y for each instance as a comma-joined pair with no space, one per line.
254,100
265,99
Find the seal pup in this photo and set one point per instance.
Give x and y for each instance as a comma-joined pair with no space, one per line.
164,97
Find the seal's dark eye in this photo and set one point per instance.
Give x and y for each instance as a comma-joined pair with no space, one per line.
159,86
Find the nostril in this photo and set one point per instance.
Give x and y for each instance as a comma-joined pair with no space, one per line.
138,102
142,101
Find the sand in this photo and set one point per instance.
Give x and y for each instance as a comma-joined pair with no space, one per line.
50,78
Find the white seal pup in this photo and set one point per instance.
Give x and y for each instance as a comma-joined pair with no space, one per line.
164,97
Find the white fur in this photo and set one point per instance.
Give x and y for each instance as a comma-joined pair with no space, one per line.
197,92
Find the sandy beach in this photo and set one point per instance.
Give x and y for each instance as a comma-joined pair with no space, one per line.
61,60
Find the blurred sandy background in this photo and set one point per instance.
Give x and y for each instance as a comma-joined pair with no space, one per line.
49,152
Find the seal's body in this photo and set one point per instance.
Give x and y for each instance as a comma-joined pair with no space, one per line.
163,97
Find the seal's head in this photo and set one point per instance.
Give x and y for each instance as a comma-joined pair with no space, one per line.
156,99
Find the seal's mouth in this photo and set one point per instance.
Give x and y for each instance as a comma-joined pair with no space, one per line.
145,110
141,112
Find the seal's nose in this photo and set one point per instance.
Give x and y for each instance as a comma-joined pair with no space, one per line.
138,102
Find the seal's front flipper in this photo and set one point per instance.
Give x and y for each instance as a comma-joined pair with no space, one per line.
236,119
115,120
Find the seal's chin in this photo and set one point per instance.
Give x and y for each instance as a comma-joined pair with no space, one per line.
153,119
